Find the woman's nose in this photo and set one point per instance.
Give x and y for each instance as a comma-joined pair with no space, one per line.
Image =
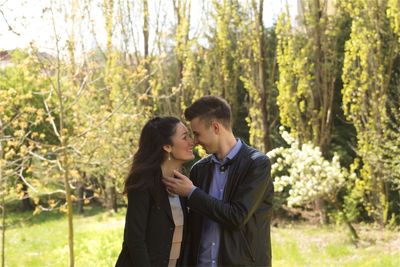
191,141
195,141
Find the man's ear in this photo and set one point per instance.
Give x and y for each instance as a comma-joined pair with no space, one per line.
216,126
167,148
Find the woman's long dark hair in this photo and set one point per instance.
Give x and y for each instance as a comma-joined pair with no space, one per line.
146,165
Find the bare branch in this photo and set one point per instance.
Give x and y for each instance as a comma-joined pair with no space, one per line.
51,120
79,93
41,157
118,106
10,28
25,181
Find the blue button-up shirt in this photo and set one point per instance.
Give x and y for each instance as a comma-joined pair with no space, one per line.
210,238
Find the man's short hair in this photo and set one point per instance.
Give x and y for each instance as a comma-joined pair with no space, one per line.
208,108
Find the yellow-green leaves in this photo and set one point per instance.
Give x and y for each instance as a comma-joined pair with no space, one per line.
367,72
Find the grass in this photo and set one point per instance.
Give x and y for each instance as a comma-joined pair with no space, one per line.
311,245
42,241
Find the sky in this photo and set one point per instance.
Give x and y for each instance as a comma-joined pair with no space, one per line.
30,24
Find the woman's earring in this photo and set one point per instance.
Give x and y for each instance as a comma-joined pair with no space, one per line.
169,155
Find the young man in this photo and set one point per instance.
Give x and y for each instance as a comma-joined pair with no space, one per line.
229,193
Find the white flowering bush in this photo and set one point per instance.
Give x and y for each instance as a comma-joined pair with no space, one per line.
304,173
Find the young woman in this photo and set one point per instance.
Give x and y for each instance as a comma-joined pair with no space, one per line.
154,224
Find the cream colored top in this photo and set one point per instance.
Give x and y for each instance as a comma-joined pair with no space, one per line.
177,215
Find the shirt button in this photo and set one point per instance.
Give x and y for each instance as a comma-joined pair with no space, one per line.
213,243
213,261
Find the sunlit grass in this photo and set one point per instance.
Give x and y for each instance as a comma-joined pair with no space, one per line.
310,245
38,242
42,241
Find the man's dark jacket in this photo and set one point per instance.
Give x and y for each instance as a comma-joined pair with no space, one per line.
244,214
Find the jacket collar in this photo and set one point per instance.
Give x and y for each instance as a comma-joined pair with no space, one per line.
160,195
233,175
244,147
166,206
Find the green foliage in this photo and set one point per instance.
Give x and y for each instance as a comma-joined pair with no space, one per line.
24,120
109,126
220,75
309,66
367,71
393,12
259,73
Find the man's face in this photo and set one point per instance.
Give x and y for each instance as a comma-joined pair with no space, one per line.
204,135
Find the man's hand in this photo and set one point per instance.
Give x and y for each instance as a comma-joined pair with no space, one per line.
180,185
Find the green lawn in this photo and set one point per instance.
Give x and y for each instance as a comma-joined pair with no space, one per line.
42,241
310,245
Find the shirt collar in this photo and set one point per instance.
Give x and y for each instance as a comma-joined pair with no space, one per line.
232,153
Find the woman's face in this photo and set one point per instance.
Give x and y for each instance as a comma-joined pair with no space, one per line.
182,144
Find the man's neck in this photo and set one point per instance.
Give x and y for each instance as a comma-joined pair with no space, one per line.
226,144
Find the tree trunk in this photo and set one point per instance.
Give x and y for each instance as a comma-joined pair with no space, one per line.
320,207
262,88
352,230
262,80
381,200
146,47
26,203
111,198
69,204
385,202
3,185
3,231
320,90
80,187
181,39
64,157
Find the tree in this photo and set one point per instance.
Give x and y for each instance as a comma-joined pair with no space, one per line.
23,130
309,66
313,177
367,76
259,76
221,73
